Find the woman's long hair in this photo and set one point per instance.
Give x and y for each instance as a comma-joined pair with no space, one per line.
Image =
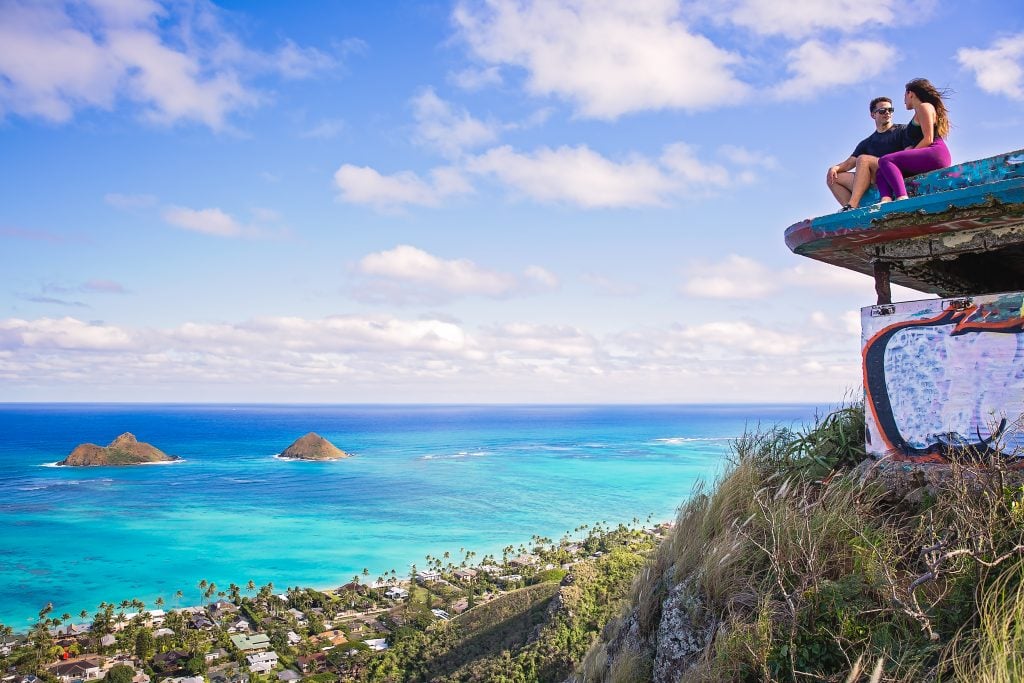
926,92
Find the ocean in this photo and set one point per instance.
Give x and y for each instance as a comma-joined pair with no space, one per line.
423,480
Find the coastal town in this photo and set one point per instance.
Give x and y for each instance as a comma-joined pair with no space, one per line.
260,634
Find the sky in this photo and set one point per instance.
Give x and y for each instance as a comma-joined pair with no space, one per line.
453,202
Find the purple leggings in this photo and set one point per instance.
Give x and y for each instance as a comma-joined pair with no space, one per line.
893,167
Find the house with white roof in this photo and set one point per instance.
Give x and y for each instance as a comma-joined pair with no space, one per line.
396,593
427,575
261,662
154,617
239,625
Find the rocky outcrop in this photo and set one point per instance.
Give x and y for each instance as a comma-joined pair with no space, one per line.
124,450
914,482
312,446
683,632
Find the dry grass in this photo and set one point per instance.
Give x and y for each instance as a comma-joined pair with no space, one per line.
994,651
811,576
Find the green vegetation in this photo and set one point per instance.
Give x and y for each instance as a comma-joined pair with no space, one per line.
536,633
803,569
119,673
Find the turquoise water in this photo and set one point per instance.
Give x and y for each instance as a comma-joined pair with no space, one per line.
424,479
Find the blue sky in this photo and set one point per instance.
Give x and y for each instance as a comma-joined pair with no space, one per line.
452,202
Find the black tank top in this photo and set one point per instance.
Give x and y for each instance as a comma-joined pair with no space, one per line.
913,133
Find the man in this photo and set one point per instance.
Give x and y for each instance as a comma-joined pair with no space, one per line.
847,187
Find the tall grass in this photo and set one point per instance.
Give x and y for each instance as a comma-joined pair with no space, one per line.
809,568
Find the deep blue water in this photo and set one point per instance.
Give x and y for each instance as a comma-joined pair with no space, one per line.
424,479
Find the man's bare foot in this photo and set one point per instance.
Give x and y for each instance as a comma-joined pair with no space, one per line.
901,197
885,200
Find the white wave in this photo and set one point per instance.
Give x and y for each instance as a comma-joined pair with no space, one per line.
165,462
455,456
278,456
676,440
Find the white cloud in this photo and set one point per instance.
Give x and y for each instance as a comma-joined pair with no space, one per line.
574,175
474,78
577,175
541,277
447,129
744,337
63,333
681,161
799,18
381,357
738,277
365,185
209,221
581,176
296,62
741,156
821,276
407,274
851,323
460,276
609,58
817,66
847,323
998,69
741,277
60,57
542,342
335,334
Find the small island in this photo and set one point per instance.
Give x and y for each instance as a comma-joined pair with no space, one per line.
124,450
312,446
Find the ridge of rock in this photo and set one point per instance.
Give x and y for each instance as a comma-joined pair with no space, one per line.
124,450
312,446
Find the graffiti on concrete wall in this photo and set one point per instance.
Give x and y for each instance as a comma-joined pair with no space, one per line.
944,378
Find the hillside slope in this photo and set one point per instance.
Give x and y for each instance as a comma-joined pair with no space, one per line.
800,565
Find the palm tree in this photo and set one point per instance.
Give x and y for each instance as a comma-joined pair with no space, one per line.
159,602
45,611
250,586
66,618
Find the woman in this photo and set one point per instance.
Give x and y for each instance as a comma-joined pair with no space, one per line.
925,132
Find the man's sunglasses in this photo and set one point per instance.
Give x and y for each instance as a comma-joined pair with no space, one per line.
883,110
